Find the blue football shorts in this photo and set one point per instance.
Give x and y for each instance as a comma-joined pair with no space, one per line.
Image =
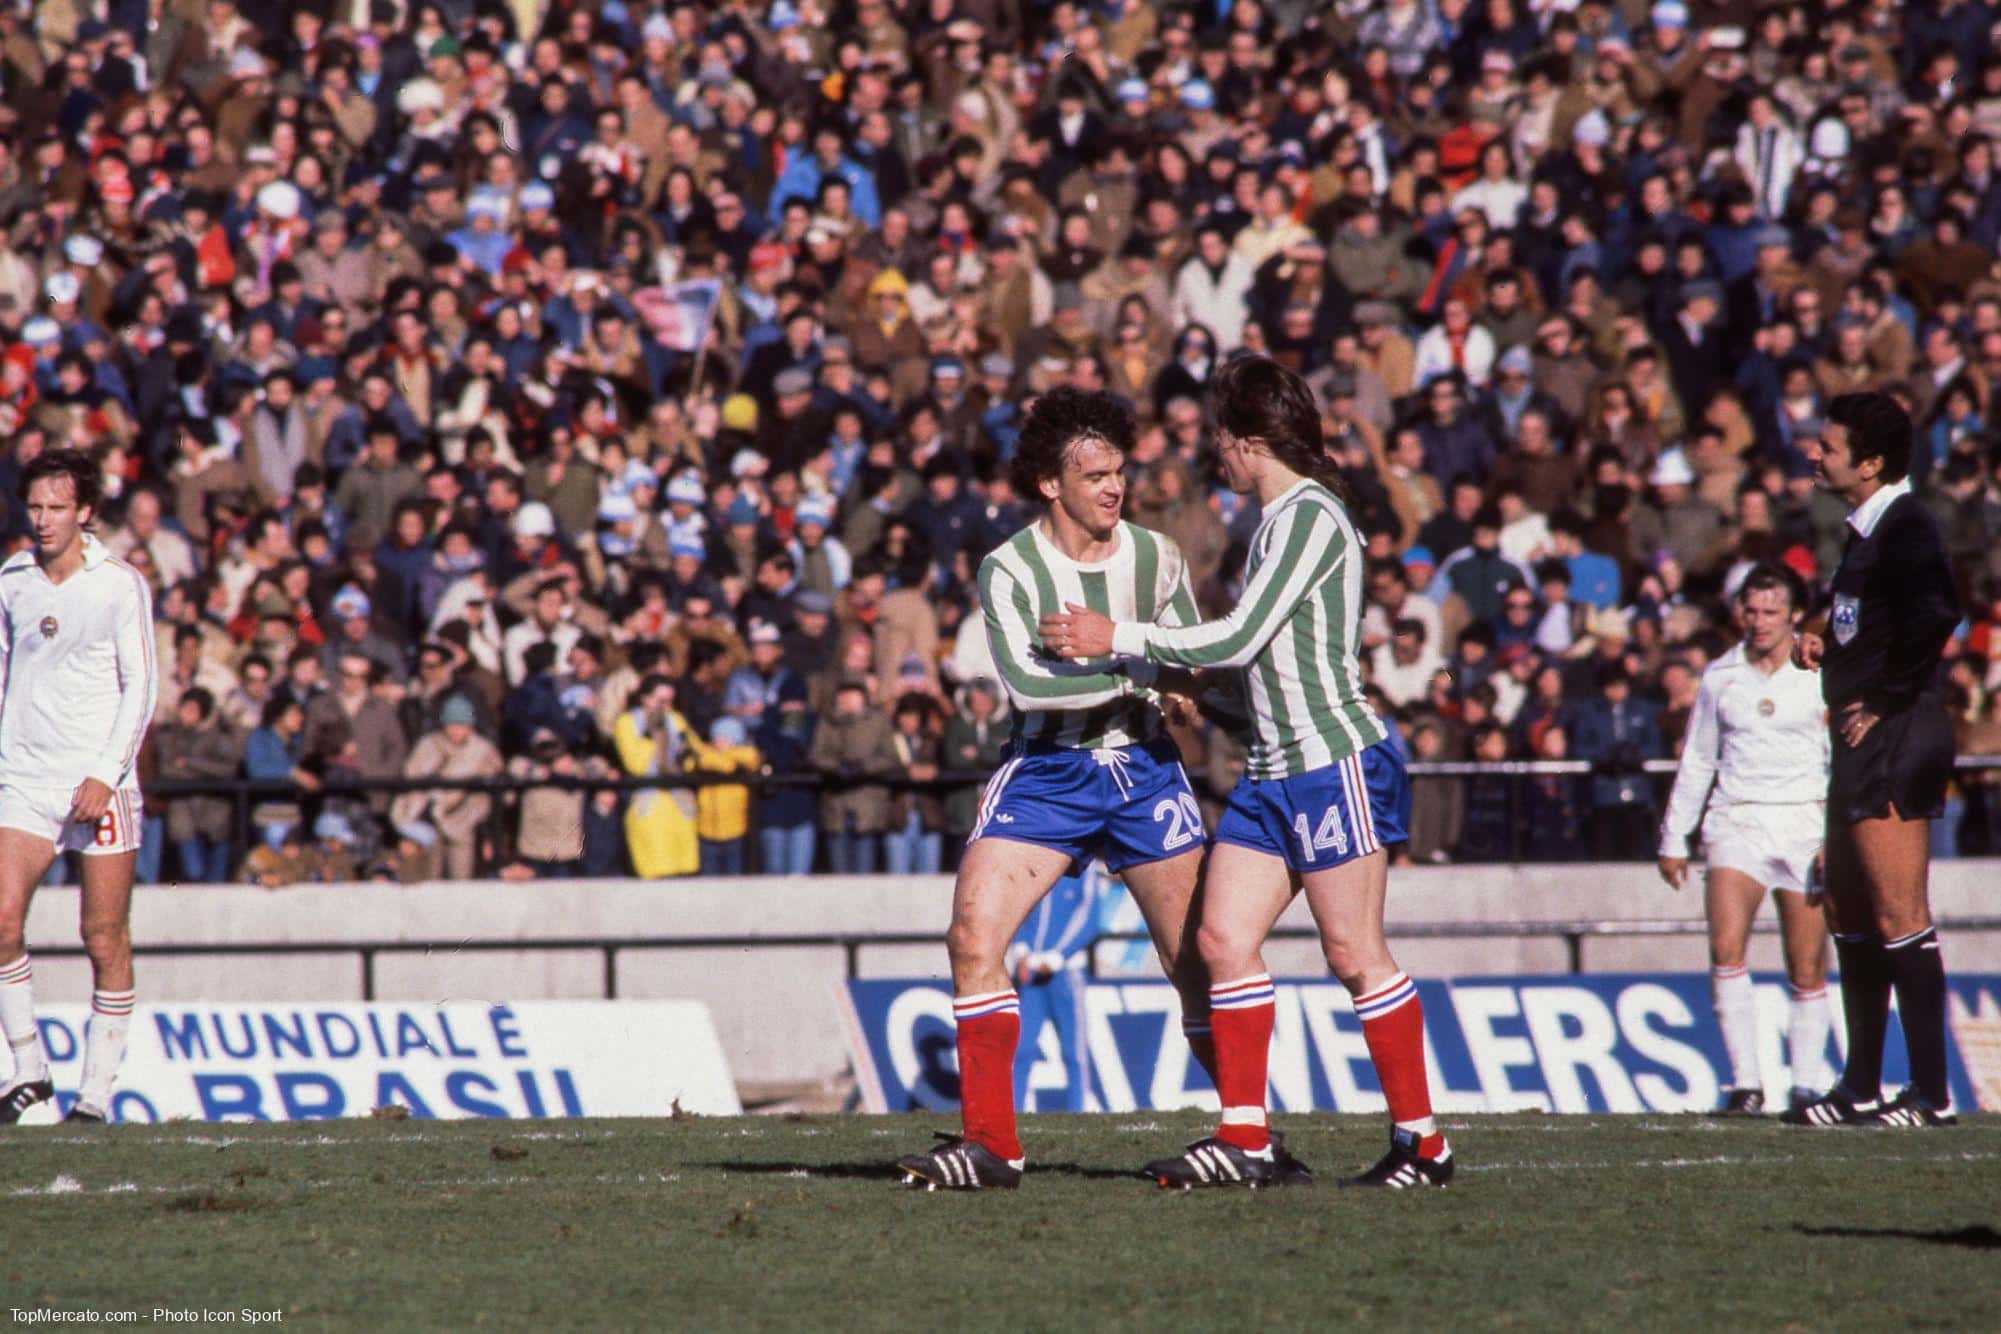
1325,817
1127,804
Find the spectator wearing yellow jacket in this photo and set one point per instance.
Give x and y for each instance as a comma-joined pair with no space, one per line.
651,740
722,811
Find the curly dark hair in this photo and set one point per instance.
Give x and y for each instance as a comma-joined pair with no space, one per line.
1058,420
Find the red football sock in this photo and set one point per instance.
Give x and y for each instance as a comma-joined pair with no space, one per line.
1240,1016
989,1029
1393,1025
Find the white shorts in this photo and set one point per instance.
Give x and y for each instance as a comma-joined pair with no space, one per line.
1774,845
44,812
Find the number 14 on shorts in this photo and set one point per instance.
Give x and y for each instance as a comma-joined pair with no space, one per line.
1329,836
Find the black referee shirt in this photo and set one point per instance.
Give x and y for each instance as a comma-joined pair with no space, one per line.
1893,609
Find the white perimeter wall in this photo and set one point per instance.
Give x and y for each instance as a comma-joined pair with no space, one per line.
774,1005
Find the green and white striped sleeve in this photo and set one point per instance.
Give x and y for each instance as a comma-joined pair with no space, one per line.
1034,681
1177,599
1303,547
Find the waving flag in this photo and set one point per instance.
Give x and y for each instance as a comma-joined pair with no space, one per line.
679,316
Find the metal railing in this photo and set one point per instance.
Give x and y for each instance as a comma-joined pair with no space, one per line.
948,780
367,952
247,794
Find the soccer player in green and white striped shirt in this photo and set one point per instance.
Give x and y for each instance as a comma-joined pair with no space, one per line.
1144,579
1090,770
1322,796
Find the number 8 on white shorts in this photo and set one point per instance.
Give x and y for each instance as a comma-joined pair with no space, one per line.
44,813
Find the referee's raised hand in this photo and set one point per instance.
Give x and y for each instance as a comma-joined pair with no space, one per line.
1807,648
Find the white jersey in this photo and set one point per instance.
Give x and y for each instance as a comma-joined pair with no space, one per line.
78,678
1760,740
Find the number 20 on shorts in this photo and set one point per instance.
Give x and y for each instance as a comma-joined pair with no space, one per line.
1184,820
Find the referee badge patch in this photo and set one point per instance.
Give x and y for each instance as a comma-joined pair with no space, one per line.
48,627
1847,617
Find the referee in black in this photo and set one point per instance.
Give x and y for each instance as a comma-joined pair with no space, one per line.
1892,610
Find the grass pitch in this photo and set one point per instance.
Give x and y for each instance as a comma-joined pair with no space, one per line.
782,1223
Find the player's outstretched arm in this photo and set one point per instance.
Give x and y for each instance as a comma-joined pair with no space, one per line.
1305,547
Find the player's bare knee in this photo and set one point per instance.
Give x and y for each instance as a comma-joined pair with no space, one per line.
1354,963
1224,955
1893,925
13,925
107,943
1346,970
969,946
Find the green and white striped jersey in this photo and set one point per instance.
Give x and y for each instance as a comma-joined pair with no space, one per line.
1294,633
1080,704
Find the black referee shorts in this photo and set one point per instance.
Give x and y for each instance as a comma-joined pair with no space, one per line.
1905,761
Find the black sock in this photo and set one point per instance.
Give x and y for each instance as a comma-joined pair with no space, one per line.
1865,1004
1917,970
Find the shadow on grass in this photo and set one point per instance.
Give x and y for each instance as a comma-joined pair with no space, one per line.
880,1171
1083,1173
872,1171
1977,1237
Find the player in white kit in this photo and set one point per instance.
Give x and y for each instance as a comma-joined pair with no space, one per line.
1758,735
78,684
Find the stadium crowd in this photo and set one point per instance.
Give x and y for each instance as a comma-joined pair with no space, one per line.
568,389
